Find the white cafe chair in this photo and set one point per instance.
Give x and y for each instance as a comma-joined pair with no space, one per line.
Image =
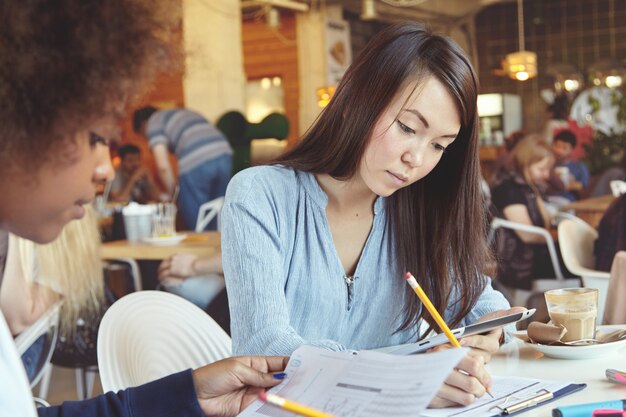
576,240
540,285
207,212
150,334
47,325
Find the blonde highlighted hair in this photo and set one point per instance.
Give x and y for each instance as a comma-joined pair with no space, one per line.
531,149
528,151
70,266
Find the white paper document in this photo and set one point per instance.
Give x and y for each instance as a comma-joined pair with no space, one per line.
360,384
506,392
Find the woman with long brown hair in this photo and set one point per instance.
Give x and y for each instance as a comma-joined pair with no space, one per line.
315,246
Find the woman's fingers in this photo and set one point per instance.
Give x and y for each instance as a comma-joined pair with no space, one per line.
483,345
465,384
474,367
458,389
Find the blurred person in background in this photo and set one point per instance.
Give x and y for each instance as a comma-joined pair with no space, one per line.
205,158
519,197
198,279
133,181
573,174
37,276
611,234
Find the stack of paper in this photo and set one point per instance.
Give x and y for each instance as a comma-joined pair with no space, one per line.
373,384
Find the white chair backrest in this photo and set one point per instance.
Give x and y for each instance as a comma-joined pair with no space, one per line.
618,187
48,324
576,239
534,298
498,222
133,268
147,335
207,212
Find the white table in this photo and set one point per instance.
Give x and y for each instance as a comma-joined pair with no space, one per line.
516,359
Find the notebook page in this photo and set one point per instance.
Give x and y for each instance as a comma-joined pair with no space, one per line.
363,384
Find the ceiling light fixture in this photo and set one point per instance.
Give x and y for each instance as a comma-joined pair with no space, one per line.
294,5
272,17
521,65
566,77
607,72
368,10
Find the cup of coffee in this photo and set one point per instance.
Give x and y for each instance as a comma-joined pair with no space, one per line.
575,309
563,173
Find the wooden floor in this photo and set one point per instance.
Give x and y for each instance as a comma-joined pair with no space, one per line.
63,386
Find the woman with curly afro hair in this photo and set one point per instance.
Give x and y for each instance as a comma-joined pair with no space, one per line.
67,68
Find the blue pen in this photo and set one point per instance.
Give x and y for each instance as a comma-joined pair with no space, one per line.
586,410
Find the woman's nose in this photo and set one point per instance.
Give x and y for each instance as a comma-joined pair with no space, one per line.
104,171
414,156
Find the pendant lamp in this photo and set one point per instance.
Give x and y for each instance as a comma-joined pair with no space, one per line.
521,65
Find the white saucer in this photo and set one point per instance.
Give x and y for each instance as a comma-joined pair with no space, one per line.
165,241
581,352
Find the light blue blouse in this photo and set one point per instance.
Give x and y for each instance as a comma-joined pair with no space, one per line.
286,284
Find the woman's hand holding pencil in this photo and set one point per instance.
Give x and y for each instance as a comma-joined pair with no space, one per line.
471,380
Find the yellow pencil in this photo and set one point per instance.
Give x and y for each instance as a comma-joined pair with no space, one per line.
434,313
303,410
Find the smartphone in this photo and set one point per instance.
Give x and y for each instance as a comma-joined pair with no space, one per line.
476,328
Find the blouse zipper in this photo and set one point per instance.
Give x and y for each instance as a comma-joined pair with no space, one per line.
349,281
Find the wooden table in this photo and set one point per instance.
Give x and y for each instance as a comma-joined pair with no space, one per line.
590,210
202,244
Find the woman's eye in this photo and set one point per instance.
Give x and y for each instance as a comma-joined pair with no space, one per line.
405,128
94,139
439,147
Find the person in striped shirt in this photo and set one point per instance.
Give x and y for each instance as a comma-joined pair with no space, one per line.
204,156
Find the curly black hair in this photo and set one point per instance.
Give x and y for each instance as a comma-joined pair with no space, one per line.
67,63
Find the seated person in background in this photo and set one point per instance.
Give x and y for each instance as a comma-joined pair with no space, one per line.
133,182
198,279
518,197
387,180
574,174
37,276
611,234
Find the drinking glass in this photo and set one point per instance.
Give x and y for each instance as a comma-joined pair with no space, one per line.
575,309
164,220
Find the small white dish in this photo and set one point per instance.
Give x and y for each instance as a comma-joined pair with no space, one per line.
581,352
165,241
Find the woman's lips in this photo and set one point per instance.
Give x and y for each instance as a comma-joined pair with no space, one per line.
399,177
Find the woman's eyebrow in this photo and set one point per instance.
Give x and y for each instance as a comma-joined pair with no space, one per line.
419,116
425,122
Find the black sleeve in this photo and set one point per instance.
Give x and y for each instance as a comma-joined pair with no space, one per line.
172,396
507,194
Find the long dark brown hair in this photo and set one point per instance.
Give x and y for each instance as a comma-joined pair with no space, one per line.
438,222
